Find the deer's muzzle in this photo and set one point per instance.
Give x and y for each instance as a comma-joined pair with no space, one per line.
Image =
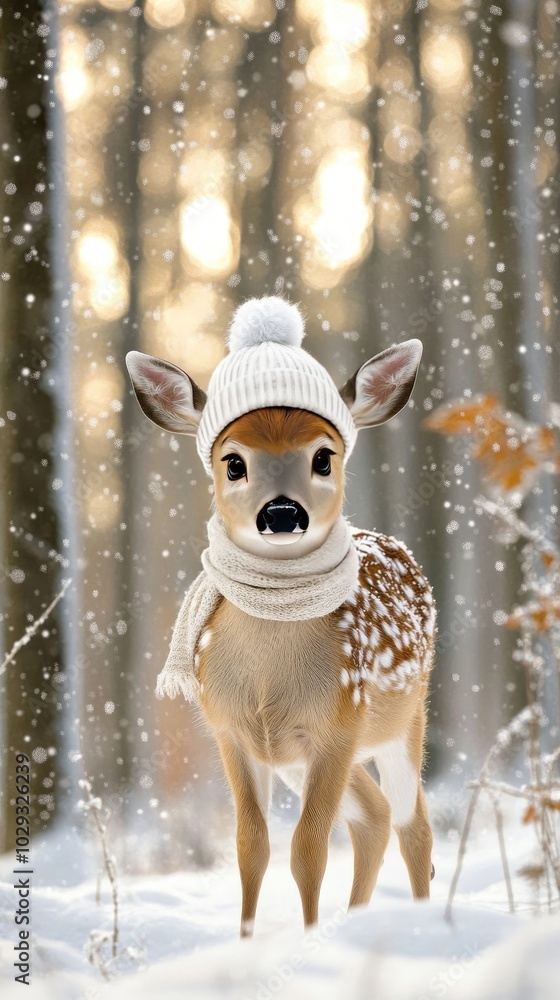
282,514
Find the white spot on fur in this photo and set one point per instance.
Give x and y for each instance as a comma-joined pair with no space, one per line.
205,639
399,779
385,658
293,775
262,780
430,623
350,808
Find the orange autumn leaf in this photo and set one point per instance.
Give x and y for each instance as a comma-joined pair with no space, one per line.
538,616
530,814
510,450
461,416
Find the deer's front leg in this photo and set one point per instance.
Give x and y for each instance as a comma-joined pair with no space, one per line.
324,786
250,783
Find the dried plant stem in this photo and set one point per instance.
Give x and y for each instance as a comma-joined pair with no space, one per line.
111,874
517,793
462,850
503,853
509,518
31,629
108,862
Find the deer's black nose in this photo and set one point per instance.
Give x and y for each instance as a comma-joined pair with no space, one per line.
282,514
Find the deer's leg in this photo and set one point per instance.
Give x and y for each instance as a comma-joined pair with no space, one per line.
250,783
400,765
368,815
325,782
415,840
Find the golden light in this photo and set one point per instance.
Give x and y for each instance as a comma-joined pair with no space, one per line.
204,171
191,328
396,74
117,5
99,390
449,5
165,13
459,195
445,61
344,21
73,80
402,143
104,508
399,110
104,269
255,160
337,217
109,294
208,235
97,251
333,67
254,15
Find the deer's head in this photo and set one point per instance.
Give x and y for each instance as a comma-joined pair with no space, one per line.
274,432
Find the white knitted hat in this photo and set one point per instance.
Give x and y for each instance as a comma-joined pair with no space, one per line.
266,366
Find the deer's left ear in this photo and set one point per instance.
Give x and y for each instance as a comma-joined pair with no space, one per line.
382,386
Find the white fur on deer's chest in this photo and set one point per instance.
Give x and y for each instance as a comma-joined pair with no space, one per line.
274,682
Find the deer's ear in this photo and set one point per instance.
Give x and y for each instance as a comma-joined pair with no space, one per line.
382,386
167,395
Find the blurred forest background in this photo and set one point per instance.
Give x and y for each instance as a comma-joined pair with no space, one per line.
393,167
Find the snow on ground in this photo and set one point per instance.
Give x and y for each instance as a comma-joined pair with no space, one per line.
186,924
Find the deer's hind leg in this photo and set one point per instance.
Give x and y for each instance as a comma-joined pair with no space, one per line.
251,785
368,815
400,766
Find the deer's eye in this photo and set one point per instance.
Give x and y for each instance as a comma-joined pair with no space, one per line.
322,462
236,468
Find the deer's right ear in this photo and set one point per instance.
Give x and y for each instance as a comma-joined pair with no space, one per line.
167,395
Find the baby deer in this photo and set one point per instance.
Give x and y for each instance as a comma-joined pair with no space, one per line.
310,698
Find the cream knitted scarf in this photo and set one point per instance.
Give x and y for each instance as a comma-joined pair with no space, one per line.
277,589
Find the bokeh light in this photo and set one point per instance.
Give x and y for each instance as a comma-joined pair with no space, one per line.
208,235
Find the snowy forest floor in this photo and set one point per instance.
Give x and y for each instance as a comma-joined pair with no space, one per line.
184,926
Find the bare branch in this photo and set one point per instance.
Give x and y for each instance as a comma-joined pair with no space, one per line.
31,629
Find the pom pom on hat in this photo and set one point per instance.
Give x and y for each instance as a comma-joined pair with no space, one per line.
259,321
267,366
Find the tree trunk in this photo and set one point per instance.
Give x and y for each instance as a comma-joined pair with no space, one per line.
32,712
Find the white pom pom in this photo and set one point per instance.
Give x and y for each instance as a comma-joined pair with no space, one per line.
270,319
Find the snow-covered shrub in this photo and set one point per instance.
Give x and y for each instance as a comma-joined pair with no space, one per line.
513,453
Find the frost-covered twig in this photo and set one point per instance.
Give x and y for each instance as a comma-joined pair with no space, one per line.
31,629
512,452
508,517
541,791
93,806
503,852
99,940
517,793
462,851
